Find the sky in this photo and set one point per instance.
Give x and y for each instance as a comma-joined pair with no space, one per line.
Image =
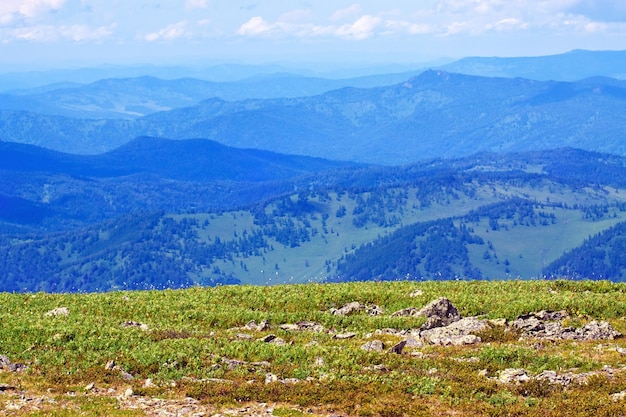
37,34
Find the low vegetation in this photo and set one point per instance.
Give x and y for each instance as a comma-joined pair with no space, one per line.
135,353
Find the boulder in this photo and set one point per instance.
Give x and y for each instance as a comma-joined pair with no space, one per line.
439,313
461,332
373,346
59,311
513,375
356,307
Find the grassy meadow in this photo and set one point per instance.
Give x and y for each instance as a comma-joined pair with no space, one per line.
193,336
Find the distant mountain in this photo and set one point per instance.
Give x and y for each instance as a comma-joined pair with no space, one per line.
184,160
434,114
129,98
571,66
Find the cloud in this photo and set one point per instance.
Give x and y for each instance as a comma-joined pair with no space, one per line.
11,10
50,33
170,32
255,26
342,14
363,28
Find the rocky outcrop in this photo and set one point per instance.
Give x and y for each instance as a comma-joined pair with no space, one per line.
440,312
548,325
303,326
563,379
356,307
461,332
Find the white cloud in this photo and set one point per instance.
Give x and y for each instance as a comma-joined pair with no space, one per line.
12,10
50,33
363,28
255,26
170,32
348,12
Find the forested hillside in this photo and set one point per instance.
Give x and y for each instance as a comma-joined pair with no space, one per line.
486,216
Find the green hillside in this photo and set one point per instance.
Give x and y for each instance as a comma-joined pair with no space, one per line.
284,351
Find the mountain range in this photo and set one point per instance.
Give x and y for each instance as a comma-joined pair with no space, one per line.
431,115
139,183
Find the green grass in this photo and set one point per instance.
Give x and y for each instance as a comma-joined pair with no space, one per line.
192,330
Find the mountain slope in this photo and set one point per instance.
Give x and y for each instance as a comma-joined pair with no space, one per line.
571,66
485,216
435,114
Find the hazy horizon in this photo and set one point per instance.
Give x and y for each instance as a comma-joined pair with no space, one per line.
56,34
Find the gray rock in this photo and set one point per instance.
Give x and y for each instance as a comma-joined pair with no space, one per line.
405,312
373,346
414,342
304,326
269,378
59,311
617,397
260,327
548,325
439,313
7,365
461,332
416,293
356,307
344,336
513,375
348,309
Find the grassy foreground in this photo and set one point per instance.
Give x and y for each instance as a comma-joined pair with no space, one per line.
193,335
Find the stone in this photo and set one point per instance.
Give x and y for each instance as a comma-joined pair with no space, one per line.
90,386
109,365
344,336
373,346
547,325
439,313
356,307
348,309
303,326
260,327
416,293
405,312
459,333
269,378
148,383
620,396
319,362
513,375
414,342
244,336
267,339
128,393
59,311
7,365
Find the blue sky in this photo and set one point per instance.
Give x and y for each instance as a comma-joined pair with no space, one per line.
63,33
